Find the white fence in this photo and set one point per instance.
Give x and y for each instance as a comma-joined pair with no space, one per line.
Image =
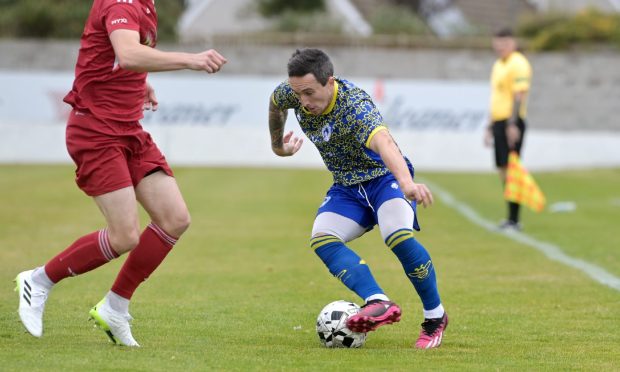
222,120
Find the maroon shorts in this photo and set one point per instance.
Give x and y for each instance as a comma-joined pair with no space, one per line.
111,155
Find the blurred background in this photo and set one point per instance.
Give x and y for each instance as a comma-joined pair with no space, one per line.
243,289
425,62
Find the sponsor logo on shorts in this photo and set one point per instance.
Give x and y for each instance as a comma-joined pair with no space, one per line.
341,274
327,199
394,185
125,1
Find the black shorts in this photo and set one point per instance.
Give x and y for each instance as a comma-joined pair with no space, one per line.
501,142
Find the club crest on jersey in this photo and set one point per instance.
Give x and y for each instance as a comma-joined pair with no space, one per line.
327,132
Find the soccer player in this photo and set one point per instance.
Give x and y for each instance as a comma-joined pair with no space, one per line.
118,164
510,82
373,184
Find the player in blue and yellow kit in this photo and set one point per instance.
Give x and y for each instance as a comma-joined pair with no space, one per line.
373,183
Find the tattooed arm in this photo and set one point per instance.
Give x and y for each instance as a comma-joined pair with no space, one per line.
281,145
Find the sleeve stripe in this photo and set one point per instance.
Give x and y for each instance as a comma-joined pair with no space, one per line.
372,134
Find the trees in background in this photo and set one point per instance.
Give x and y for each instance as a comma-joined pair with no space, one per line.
65,18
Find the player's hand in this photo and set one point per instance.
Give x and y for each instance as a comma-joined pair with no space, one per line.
488,137
512,135
290,145
150,101
420,193
210,61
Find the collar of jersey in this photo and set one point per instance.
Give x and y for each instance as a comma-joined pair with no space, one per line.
333,102
513,53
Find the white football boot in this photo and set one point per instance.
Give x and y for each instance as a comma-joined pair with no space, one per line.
114,324
32,299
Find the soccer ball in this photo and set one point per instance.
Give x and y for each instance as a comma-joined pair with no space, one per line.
331,326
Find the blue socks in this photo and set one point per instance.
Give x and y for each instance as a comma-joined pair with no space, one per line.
417,264
349,268
346,265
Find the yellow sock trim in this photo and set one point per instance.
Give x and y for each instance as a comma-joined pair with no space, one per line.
398,237
320,241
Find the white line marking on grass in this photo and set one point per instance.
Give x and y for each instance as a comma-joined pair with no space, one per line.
552,251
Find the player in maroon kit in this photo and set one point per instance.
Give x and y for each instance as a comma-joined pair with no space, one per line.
118,164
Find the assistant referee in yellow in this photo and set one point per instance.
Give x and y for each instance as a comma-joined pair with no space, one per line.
510,83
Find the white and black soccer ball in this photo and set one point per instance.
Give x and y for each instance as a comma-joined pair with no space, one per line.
331,326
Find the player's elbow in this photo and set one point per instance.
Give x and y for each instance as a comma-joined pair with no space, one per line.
125,64
129,64
130,59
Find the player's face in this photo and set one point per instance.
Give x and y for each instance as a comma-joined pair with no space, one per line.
503,46
313,96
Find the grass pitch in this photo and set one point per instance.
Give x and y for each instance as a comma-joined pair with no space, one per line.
242,289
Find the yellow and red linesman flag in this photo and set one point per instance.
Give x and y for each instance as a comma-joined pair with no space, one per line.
521,187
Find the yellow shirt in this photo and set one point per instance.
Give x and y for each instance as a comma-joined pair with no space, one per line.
509,76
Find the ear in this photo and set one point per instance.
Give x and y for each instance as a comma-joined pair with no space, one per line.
330,81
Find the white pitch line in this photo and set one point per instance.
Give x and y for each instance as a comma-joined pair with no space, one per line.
552,251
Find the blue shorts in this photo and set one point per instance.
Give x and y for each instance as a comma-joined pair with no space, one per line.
362,201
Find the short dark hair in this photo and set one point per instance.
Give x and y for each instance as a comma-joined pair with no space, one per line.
504,32
311,61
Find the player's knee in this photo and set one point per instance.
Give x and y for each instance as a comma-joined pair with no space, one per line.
124,241
395,215
177,223
322,241
319,239
181,224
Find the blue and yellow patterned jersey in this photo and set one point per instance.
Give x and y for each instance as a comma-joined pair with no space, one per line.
342,133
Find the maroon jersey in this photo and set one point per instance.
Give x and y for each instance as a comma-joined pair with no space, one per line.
101,87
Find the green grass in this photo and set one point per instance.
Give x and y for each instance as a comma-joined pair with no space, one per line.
233,292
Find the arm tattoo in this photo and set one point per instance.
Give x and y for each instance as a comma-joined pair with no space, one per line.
277,118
